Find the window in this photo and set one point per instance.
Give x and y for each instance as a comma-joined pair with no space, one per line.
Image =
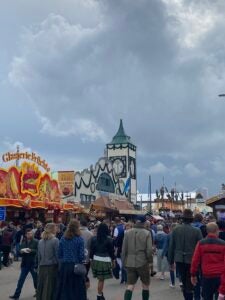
105,183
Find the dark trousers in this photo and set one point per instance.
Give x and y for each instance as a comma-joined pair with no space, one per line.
197,288
210,288
185,275
6,251
172,277
23,275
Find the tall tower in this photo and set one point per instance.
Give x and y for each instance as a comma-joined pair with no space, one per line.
122,152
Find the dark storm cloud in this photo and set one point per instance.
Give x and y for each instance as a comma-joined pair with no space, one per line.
156,64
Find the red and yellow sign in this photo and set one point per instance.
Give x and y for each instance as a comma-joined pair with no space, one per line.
66,182
28,187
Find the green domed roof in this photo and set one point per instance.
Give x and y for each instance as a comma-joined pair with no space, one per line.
121,137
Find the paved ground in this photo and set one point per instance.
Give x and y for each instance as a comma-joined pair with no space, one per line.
160,290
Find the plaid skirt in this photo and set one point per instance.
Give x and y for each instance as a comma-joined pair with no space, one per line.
101,270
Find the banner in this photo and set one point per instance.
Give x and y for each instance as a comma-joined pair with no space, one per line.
66,182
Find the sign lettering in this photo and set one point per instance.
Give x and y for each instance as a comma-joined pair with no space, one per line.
28,156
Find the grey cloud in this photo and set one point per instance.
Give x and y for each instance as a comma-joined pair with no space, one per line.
138,60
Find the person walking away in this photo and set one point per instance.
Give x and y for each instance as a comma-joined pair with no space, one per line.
183,241
208,256
221,225
86,234
136,257
18,238
28,250
152,234
8,236
198,223
71,251
60,228
102,257
162,263
118,236
165,254
38,231
47,263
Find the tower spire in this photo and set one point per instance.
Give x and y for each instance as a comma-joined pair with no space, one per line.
121,137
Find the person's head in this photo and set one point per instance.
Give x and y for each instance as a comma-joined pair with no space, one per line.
49,231
29,234
198,218
73,229
60,227
102,232
83,222
187,216
140,220
159,227
39,224
166,228
123,220
212,228
128,226
117,220
11,225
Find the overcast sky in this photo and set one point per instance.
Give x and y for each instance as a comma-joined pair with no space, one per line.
69,70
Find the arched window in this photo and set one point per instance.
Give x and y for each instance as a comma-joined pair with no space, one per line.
105,183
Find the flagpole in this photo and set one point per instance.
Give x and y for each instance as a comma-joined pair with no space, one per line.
150,192
130,186
130,189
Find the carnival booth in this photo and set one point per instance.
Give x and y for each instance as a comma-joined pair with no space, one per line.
104,207
217,203
27,192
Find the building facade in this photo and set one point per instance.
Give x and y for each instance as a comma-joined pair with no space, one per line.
114,175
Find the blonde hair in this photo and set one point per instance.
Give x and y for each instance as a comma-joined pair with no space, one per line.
49,231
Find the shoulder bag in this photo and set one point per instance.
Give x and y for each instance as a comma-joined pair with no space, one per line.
80,269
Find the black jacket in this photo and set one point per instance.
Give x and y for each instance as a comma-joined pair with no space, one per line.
104,248
29,260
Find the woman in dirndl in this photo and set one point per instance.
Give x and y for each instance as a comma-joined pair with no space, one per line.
102,256
47,263
71,252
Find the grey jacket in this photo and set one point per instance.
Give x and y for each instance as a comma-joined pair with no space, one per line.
137,247
86,235
183,241
48,252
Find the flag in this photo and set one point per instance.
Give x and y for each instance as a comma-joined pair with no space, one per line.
127,185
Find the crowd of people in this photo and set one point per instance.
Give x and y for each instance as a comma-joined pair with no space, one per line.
60,257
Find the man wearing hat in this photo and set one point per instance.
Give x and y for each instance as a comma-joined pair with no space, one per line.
136,257
183,241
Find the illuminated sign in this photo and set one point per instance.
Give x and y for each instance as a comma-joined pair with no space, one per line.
30,179
26,186
27,156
